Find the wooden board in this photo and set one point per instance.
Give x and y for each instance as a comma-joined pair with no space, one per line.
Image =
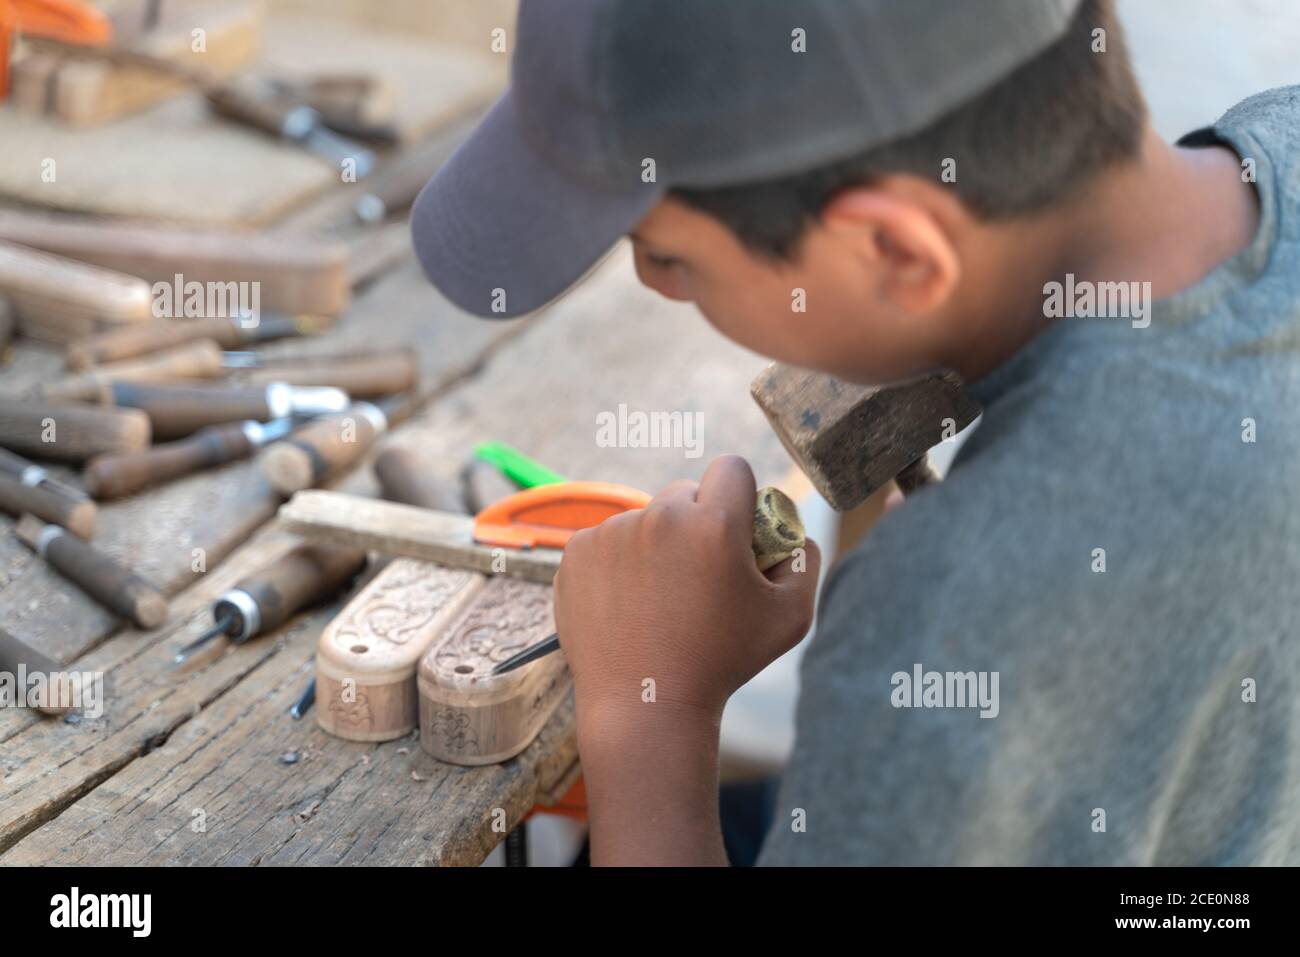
391,528
213,738
164,532
175,162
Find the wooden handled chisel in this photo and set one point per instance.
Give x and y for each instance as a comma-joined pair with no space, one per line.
778,532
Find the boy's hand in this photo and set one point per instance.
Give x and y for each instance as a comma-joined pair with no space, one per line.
671,593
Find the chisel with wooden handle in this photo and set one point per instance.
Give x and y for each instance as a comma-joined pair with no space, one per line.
17,497
404,478
778,533
329,444
70,431
228,332
179,410
99,576
362,377
265,600
112,476
200,359
58,299
59,689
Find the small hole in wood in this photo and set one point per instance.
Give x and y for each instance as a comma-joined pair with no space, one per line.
464,669
359,649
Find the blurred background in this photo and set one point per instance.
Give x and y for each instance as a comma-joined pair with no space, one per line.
181,147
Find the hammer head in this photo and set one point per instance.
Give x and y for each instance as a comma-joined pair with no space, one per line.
851,439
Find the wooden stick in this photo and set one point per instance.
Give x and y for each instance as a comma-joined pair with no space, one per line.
226,331
17,498
404,478
404,530
295,273
201,359
58,299
70,431
95,573
365,377
60,685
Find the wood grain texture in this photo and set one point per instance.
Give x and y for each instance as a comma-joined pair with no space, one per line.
123,790
851,439
57,299
295,272
391,528
367,656
467,714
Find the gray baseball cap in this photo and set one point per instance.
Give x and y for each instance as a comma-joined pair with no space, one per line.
614,102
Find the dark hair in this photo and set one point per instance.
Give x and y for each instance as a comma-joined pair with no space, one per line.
1023,145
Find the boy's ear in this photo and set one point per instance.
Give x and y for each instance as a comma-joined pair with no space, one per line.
902,241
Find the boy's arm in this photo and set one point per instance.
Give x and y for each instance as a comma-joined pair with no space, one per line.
662,614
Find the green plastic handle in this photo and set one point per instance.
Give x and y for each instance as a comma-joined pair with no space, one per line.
519,468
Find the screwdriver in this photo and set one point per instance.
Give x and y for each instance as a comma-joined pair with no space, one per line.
778,531
307,575
116,474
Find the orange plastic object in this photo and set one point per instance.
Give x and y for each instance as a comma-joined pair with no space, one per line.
548,515
68,21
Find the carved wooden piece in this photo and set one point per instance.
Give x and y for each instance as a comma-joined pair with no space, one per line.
367,656
469,716
851,439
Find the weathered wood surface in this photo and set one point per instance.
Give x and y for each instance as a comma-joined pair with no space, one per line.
174,162
122,789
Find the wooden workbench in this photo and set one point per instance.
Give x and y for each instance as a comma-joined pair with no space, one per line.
200,763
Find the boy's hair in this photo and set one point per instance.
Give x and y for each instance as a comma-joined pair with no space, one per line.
1025,144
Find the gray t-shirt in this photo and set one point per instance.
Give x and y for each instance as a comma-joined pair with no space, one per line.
1147,713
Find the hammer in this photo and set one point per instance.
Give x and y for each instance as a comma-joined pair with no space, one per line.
852,439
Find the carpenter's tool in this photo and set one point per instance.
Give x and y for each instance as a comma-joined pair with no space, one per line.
68,21
114,475
778,533
228,332
518,467
393,189
57,299
70,431
850,440
294,273
59,689
361,377
330,444
359,105
403,478
200,359
18,497
304,702
261,106
95,573
35,476
266,600
176,410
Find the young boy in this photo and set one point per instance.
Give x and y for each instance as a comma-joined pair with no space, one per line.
1114,561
